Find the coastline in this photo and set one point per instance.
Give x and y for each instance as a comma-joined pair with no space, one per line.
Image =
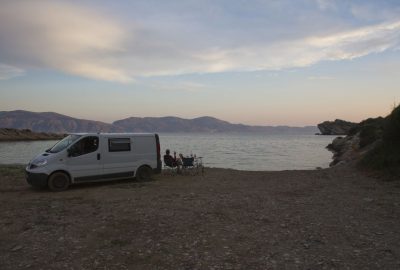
227,219
10,135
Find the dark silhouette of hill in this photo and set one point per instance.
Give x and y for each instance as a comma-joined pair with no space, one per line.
204,124
176,124
58,123
51,122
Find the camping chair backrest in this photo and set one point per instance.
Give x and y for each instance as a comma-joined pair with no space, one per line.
188,162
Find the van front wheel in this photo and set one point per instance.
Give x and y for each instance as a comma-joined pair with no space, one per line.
144,173
58,181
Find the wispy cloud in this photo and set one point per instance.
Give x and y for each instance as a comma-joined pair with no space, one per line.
292,53
326,4
179,86
8,72
52,34
320,78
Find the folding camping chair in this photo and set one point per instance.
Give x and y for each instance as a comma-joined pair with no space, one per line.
169,167
192,165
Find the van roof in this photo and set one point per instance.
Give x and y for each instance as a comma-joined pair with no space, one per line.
113,134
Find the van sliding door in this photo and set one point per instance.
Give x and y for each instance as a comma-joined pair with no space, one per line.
118,158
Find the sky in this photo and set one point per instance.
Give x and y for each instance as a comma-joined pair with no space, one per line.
257,62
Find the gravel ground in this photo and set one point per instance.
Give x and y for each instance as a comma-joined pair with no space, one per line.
324,219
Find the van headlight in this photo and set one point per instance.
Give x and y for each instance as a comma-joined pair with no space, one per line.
41,163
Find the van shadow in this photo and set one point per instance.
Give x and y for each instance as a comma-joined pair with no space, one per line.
120,183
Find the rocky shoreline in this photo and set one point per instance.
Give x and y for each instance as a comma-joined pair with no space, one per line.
360,140
10,134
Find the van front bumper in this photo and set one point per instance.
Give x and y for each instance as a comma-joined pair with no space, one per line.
36,179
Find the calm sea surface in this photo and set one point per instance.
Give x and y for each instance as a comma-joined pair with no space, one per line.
237,151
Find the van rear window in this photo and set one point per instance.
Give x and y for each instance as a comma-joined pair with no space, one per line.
119,144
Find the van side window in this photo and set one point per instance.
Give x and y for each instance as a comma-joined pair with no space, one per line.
85,146
119,144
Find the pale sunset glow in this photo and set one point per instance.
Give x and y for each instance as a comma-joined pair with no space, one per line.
253,62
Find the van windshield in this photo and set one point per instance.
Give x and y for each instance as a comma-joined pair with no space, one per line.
64,143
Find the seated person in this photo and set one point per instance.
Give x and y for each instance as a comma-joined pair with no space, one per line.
169,160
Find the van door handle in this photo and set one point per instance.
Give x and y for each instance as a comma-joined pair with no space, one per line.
98,156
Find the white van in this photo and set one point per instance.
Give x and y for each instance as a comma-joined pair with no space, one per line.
89,157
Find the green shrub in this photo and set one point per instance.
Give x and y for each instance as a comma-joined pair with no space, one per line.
11,170
392,128
383,156
386,154
368,135
370,130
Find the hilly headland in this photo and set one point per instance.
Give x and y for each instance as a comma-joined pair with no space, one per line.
58,123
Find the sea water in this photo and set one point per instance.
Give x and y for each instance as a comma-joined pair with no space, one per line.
237,151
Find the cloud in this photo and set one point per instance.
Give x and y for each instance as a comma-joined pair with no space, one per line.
374,10
320,78
306,51
57,35
178,86
80,41
326,4
8,72
149,58
358,42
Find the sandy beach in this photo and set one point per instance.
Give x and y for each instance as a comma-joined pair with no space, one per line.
335,218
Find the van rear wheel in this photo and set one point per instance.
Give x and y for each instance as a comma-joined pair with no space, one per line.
144,173
58,181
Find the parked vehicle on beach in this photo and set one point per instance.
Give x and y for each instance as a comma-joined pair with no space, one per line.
90,157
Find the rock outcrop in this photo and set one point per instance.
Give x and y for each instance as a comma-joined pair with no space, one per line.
360,139
337,127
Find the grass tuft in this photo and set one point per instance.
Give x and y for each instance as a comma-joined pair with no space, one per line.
12,170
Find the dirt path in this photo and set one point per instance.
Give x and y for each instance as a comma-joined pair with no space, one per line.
323,219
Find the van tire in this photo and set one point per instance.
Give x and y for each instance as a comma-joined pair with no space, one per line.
144,173
58,181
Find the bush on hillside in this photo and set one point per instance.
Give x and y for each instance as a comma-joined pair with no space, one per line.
370,130
386,154
392,128
368,135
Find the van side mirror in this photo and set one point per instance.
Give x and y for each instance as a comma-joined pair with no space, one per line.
70,152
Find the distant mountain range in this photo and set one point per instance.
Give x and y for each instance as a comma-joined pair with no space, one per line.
58,123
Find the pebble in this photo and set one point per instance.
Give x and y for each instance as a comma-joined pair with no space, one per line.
16,248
